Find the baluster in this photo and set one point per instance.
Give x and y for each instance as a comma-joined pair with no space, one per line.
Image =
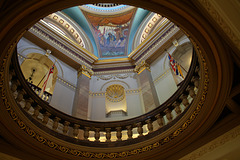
108,134
191,92
119,133
195,81
177,109
11,74
20,95
55,123
168,113
139,129
184,100
28,104
43,97
14,85
97,134
149,125
49,98
160,120
86,133
129,132
36,111
46,117
197,70
75,130
46,97
65,127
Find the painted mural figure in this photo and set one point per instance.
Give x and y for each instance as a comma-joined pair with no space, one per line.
111,33
111,40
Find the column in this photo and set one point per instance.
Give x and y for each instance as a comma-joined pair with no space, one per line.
80,104
149,94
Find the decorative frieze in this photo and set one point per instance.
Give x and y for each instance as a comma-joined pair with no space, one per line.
131,91
113,76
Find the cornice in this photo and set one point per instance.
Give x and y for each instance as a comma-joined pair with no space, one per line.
149,39
154,42
82,51
63,44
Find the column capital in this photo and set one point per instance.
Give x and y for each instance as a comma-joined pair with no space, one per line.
142,66
85,71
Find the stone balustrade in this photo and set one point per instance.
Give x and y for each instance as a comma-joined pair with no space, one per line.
92,132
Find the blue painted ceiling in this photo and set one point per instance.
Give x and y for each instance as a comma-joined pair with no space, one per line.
77,15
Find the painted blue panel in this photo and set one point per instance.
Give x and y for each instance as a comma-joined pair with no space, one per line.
139,16
76,14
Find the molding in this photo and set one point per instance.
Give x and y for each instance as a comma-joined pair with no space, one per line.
68,84
162,76
127,91
114,76
64,23
209,7
141,67
85,71
114,71
215,144
147,27
64,45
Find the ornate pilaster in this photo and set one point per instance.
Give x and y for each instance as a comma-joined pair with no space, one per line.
80,104
141,67
149,94
83,70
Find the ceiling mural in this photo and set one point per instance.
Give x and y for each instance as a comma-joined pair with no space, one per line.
111,32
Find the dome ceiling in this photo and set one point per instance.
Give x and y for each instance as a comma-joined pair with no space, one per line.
108,27
104,37
111,32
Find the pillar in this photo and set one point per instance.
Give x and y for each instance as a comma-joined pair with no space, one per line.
149,94
80,103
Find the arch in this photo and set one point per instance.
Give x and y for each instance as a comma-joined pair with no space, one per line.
107,84
35,67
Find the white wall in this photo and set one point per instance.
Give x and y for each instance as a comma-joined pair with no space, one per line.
63,95
165,87
98,104
98,111
62,98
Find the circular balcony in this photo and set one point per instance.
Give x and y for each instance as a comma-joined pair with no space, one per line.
197,103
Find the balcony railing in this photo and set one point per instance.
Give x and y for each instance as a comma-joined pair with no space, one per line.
46,96
87,132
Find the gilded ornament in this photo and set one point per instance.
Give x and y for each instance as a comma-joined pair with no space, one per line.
141,67
85,71
115,93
